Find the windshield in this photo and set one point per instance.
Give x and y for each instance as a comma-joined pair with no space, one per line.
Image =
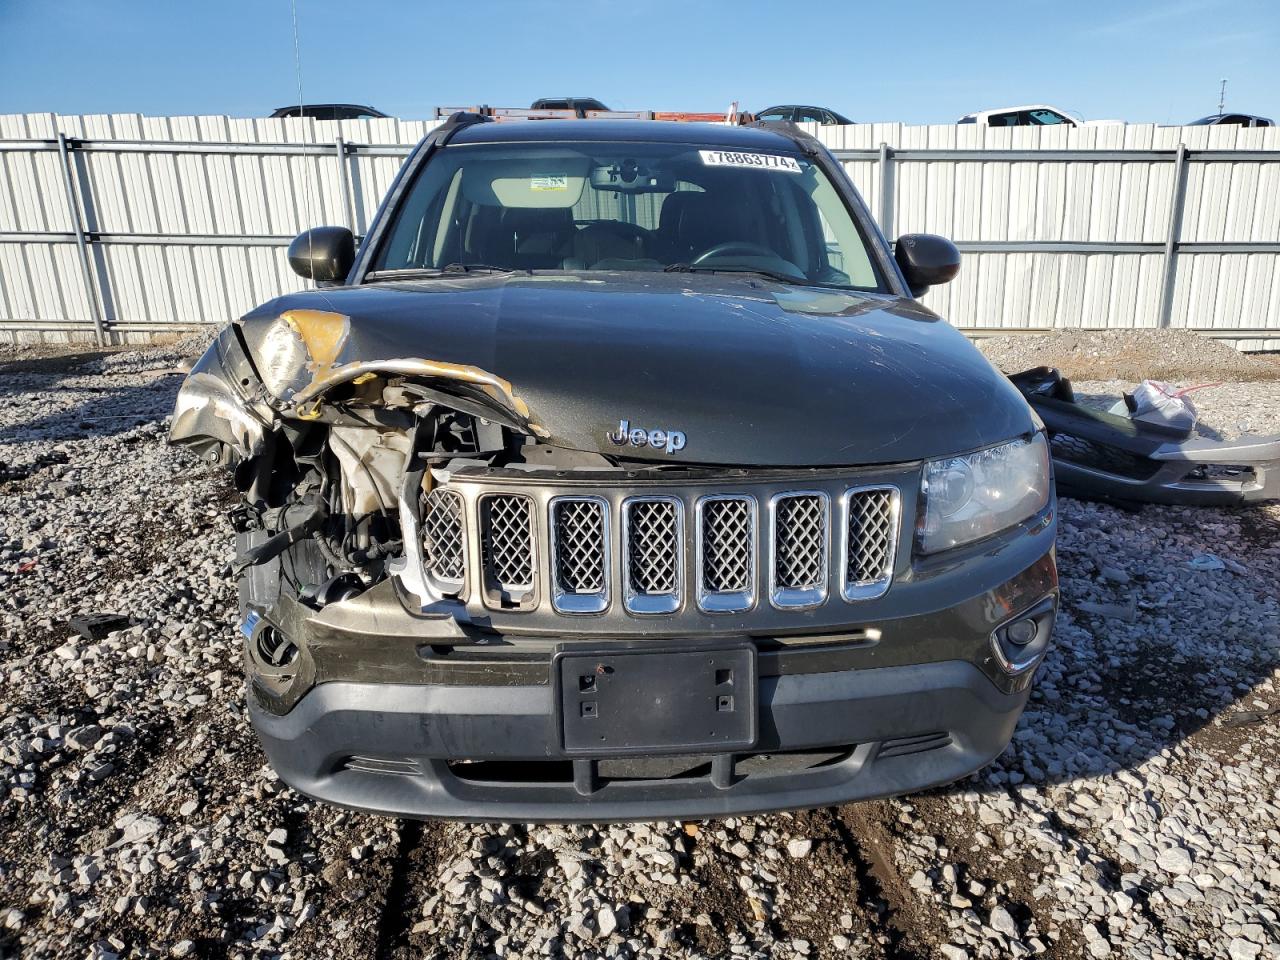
627,206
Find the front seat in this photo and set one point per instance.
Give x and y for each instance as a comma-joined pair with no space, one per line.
541,237
608,240
691,223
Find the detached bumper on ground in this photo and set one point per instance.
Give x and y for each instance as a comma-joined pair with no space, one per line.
1100,456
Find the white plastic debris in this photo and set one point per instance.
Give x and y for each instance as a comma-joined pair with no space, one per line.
1154,401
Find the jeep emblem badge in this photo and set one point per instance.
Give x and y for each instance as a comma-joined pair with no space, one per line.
668,440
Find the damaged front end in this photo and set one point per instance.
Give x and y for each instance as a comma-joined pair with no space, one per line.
442,592
336,460
1102,456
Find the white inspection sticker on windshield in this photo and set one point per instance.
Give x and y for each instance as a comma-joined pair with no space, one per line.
553,182
757,161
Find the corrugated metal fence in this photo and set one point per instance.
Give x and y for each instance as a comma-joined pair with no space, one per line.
140,225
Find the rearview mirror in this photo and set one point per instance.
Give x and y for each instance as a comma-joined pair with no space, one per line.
926,260
323,253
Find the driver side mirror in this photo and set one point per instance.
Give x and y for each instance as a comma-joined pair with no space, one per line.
323,254
926,260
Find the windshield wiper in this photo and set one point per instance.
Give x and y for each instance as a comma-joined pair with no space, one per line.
760,271
448,270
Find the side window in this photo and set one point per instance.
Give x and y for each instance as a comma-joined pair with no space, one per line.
828,117
1045,118
810,115
1261,122
845,250
1003,119
775,115
1235,119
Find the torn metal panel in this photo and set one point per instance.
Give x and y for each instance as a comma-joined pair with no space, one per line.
1101,456
303,354
214,407
495,388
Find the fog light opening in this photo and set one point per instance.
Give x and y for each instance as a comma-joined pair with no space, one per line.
274,648
1021,643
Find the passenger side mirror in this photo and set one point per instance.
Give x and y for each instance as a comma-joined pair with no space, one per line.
324,254
926,260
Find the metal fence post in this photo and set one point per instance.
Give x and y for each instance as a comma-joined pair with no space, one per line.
886,191
344,184
1177,202
82,244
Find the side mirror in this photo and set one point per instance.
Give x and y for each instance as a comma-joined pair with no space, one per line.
926,260
323,253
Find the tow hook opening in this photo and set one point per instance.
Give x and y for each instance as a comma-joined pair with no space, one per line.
1021,642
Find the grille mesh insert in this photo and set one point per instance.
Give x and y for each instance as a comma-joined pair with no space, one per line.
507,541
800,552
579,545
442,534
1101,456
727,545
653,547
871,535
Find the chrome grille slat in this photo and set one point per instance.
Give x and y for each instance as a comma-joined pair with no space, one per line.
580,554
871,539
507,542
652,554
726,553
443,546
799,528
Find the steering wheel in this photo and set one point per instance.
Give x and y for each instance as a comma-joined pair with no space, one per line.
732,247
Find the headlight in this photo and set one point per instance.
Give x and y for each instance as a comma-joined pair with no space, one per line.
967,498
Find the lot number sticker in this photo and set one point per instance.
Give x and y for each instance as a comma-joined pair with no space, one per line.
758,161
544,182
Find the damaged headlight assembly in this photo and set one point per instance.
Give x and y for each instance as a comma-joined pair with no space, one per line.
970,497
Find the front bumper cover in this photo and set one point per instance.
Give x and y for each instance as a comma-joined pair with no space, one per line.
1100,456
386,748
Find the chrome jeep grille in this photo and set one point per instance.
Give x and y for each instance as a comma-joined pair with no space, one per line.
799,534
653,551
682,550
726,548
443,550
871,538
580,554
507,543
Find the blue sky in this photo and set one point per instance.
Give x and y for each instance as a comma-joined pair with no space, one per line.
927,61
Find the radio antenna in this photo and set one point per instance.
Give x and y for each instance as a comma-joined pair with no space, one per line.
297,70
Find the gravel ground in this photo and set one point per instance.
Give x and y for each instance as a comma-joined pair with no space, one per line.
1136,813
1130,355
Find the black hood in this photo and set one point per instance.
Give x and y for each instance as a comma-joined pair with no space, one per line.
754,373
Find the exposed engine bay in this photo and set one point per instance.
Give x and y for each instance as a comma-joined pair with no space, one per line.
334,470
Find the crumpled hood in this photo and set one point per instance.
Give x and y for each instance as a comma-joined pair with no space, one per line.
753,373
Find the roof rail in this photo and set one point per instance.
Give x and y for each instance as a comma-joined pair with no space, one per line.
787,128
455,122
732,116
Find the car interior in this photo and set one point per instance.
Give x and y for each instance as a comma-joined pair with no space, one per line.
623,213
